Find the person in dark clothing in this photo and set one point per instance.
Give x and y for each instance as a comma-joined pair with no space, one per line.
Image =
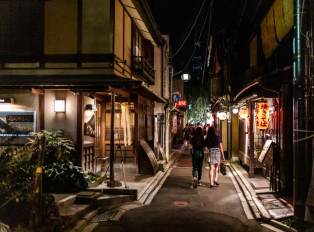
197,156
216,152
187,134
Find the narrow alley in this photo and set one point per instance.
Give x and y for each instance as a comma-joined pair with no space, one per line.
179,207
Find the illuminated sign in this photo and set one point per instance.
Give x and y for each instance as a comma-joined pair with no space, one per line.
262,115
181,103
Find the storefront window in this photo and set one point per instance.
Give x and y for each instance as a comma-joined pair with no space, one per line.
118,123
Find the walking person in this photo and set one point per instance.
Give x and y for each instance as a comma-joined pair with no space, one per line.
197,156
187,134
216,152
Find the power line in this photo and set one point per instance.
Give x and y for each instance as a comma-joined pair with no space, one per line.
240,19
189,31
208,36
195,45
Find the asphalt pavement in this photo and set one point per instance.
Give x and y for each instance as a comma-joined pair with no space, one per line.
179,207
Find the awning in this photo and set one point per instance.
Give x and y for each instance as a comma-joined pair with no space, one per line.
144,91
267,85
80,83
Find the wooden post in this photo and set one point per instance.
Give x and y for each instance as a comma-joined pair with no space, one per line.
251,151
36,216
112,137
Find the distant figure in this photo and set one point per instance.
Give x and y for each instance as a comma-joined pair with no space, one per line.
216,151
197,156
187,134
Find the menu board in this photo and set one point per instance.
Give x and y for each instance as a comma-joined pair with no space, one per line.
265,150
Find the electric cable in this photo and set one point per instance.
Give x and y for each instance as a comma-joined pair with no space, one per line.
199,37
208,36
240,19
190,30
187,28
197,40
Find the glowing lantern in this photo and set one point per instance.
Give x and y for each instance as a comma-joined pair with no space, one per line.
243,113
222,116
262,115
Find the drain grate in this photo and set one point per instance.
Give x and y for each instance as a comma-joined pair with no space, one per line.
105,216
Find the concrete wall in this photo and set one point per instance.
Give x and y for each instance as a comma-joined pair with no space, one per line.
24,100
118,30
165,75
178,86
158,73
61,27
61,121
97,32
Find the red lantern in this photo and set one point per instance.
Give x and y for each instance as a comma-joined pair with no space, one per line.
243,113
262,115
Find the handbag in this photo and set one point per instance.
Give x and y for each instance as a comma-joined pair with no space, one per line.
207,159
223,169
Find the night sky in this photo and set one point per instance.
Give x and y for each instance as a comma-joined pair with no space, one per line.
173,17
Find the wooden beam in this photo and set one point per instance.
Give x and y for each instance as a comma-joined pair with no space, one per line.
121,92
79,135
38,91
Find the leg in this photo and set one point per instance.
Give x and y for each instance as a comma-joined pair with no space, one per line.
216,172
211,173
200,166
194,168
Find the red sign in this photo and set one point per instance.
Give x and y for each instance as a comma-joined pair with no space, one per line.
181,103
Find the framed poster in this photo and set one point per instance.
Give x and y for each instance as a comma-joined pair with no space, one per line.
17,123
265,150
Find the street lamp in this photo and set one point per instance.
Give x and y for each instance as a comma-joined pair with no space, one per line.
185,76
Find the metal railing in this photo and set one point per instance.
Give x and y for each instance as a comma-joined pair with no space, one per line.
140,64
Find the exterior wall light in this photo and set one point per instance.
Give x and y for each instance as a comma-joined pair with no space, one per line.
222,116
59,106
262,115
244,114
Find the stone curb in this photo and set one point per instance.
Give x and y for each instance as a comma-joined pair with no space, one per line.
246,194
83,222
281,226
154,183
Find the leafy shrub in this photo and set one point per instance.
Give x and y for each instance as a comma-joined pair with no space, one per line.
16,174
64,177
58,148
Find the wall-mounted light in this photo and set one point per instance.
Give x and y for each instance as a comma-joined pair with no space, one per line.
235,110
59,106
243,113
222,116
91,107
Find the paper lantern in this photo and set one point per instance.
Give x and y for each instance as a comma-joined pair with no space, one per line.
243,113
235,110
262,115
222,116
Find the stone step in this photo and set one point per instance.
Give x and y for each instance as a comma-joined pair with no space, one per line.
116,191
109,199
66,202
74,212
162,165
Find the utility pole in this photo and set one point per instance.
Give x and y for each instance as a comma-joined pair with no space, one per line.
302,150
